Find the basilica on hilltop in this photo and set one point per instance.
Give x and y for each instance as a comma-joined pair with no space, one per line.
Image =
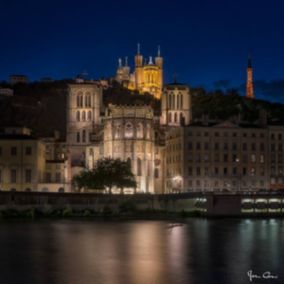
147,76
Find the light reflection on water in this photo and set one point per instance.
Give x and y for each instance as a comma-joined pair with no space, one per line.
83,252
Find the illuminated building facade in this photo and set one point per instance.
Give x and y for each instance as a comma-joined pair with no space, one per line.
147,76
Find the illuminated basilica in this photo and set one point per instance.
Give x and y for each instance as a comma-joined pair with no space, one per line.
147,76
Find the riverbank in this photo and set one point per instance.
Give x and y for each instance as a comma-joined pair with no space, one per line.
33,213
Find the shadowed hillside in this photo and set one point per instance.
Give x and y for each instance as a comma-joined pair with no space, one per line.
42,106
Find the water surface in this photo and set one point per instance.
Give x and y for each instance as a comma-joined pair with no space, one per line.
140,252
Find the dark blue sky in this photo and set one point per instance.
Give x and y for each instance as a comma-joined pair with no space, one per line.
203,41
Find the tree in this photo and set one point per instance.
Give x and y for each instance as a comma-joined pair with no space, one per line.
107,174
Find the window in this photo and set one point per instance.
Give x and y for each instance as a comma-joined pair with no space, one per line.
175,117
139,167
244,146
13,151
272,147
156,173
244,171
225,157
78,116
78,137
48,177
216,146
216,158
190,146
84,136
261,159
190,171
139,130
253,147
128,130
170,117
13,176
261,146
272,136
253,158
83,116
78,101
198,171
225,171
206,146
58,177
89,115
28,176
198,146
28,151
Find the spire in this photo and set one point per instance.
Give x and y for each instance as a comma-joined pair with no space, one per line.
150,60
119,62
159,51
126,61
249,84
138,48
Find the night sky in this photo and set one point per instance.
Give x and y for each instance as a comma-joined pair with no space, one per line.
206,42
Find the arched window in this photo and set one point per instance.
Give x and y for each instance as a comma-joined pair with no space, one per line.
181,120
78,115
148,131
89,115
173,101
84,136
181,100
178,101
117,131
139,167
175,119
78,137
81,101
170,117
89,101
83,116
128,130
139,130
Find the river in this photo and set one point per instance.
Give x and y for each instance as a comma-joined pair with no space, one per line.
142,252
